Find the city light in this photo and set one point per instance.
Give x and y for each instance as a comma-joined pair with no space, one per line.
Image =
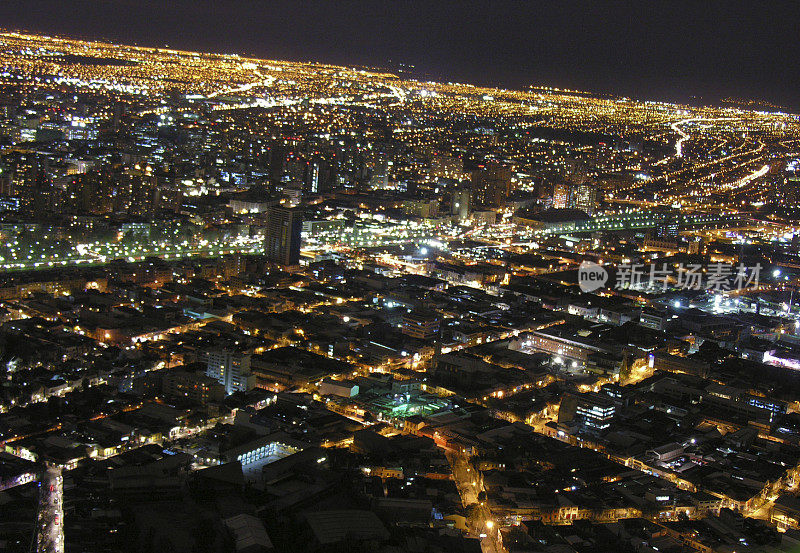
416,311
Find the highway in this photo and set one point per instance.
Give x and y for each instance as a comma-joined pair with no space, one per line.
263,80
50,523
684,136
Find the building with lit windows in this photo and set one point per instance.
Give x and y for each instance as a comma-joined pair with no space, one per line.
276,445
194,386
421,324
582,196
424,209
491,185
231,369
447,167
590,411
460,204
282,235
595,411
565,342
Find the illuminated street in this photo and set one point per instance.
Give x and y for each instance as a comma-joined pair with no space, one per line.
311,277
50,534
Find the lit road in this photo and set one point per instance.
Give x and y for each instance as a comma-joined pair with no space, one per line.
263,80
684,136
744,181
470,485
102,256
50,523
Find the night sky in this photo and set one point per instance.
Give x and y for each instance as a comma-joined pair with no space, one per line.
646,49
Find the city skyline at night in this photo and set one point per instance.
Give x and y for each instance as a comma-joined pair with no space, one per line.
674,51
384,277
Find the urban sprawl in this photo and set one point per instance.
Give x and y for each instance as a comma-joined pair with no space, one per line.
252,305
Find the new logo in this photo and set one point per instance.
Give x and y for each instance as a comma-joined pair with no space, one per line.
591,276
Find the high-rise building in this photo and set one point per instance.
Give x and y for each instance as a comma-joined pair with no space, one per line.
585,197
379,173
6,182
277,161
282,237
460,204
318,177
28,173
420,324
561,195
591,411
595,411
575,172
447,167
194,386
231,369
491,185
425,209
581,196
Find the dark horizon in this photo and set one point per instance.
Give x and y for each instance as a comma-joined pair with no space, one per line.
676,51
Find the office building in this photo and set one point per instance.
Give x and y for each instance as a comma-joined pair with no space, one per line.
491,185
582,196
595,411
424,209
460,204
231,369
421,324
590,411
790,191
318,177
282,236
671,227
